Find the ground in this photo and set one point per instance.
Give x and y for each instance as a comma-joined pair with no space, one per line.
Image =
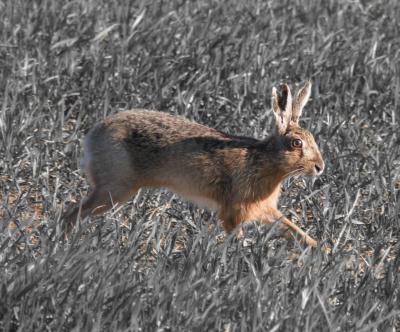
158,263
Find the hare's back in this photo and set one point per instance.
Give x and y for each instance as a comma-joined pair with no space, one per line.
156,128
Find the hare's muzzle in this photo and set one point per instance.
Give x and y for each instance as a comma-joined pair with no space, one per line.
319,167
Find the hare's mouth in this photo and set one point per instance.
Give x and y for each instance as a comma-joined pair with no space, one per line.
296,172
313,172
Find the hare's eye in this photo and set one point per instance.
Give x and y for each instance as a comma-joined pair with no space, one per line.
297,143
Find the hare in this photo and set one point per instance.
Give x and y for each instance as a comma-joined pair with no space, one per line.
240,177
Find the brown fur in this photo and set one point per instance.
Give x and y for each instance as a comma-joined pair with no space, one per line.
238,176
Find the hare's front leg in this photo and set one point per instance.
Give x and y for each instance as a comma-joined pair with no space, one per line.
291,230
296,230
230,218
269,215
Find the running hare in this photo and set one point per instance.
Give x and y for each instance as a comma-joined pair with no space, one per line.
239,177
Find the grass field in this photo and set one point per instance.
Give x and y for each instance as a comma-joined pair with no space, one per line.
158,263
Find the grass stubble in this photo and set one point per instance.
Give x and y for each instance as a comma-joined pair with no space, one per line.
158,263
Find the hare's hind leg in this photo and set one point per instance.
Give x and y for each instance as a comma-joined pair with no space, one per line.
109,169
99,201
82,210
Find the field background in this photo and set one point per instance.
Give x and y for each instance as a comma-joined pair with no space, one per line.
158,263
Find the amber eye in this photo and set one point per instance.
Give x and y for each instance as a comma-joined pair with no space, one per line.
297,143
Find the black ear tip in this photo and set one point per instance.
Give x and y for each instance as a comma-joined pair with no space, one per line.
284,88
284,96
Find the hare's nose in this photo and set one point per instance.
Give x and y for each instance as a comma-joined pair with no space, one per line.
319,167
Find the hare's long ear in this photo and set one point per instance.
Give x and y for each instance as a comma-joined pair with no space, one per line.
300,100
282,107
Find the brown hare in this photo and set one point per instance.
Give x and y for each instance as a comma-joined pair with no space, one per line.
240,177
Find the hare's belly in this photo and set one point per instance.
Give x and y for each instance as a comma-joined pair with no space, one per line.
203,202
199,200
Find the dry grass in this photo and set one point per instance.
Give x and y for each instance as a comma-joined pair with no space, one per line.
160,264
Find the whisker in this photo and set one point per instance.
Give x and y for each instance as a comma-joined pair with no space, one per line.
295,172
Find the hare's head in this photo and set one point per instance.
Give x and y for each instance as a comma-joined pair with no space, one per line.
299,154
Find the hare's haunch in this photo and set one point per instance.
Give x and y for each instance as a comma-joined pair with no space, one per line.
239,177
